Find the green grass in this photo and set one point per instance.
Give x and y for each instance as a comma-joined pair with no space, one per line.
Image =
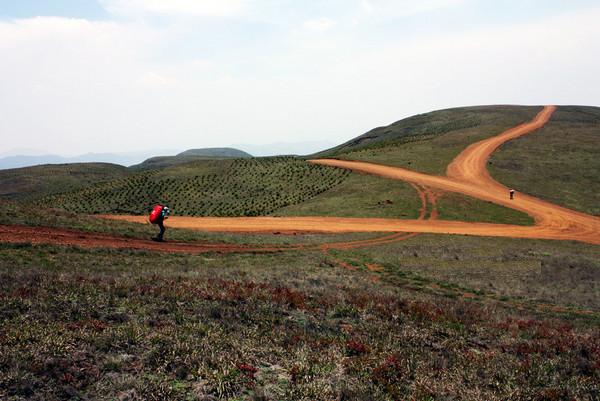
241,187
34,182
425,143
453,206
361,195
559,163
561,273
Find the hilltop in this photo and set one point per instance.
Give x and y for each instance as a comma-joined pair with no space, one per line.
191,155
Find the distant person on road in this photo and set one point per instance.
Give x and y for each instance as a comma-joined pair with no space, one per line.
158,216
511,193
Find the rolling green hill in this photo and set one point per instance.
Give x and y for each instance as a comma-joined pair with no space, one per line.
239,187
33,182
559,163
429,142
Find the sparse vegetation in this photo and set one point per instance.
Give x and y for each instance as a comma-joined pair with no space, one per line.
129,325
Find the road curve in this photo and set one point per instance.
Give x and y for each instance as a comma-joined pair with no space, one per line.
467,174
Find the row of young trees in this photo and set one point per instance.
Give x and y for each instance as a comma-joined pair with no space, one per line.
244,187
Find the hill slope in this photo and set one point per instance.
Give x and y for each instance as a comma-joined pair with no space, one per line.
428,142
559,163
37,181
234,187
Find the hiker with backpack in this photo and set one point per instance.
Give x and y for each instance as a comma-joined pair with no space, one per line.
158,215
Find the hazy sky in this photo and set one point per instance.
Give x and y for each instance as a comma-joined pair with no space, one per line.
128,75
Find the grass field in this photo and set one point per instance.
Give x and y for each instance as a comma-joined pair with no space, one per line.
559,163
394,322
248,187
361,196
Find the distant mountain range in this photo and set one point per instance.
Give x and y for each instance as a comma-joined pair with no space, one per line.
21,158
123,159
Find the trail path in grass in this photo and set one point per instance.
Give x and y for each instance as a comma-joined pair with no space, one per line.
65,237
467,174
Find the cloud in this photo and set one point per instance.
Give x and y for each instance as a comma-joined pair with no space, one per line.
155,80
210,8
74,86
319,24
404,8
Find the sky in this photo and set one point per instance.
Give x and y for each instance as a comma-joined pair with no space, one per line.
79,76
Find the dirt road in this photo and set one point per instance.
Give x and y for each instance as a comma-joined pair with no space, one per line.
467,174
56,236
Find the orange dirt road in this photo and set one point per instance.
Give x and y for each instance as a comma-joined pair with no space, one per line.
467,174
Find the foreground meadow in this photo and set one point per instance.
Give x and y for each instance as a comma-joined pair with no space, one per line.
391,322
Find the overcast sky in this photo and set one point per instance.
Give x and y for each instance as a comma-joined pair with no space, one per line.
81,76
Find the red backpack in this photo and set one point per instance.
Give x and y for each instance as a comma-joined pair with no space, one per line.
156,214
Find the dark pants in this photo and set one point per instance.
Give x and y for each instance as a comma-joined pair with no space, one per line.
162,229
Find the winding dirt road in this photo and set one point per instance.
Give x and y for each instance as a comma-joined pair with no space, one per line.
467,174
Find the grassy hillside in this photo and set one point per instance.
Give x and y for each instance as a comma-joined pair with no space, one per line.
241,187
361,196
34,182
429,142
560,163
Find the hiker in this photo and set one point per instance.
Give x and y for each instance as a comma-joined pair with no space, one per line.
158,215
512,194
